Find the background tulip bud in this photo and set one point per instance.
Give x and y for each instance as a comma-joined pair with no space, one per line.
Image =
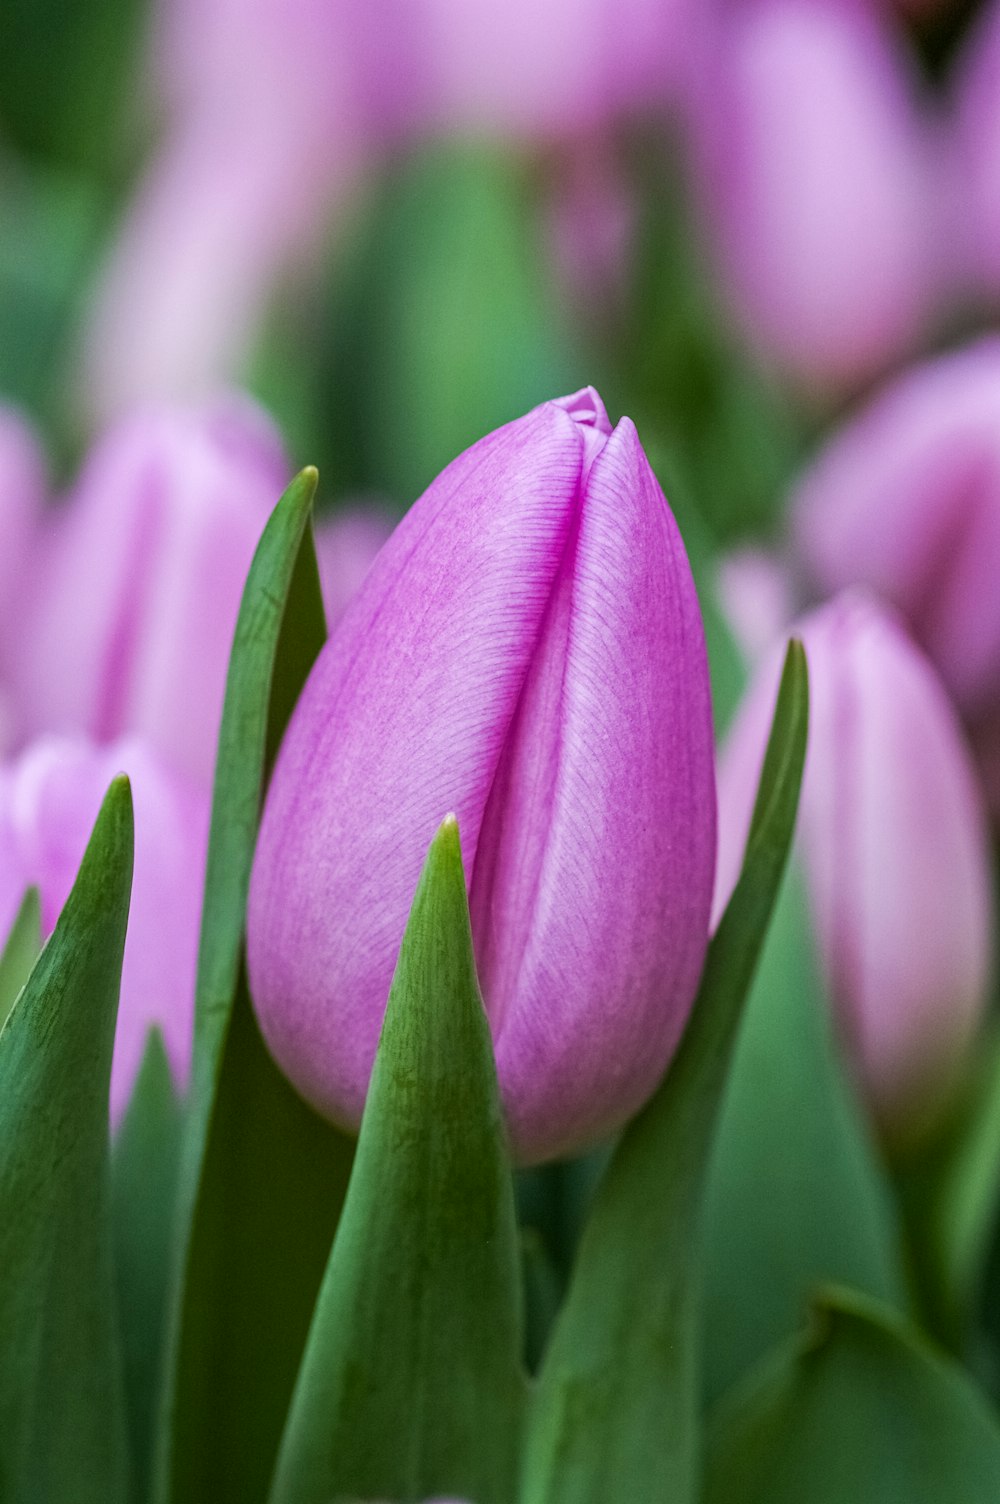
976,163
346,545
22,501
893,841
49,799
816,176
906,499
527,650
141,576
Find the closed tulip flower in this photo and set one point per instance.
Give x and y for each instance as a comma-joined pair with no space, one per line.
906,500
141,577
892,839
49,799
817,178
527,651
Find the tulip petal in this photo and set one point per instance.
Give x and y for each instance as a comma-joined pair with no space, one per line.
591,889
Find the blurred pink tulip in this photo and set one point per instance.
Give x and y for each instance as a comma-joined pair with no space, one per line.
346,545
892,838
23,486
49,799
755,591
275,109
906,499
527,651
817,173
140,579
975,167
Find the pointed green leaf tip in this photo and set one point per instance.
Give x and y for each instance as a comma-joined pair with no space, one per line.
62,1428
247,1267
411,1386
616,1411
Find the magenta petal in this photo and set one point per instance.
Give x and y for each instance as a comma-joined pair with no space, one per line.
591,916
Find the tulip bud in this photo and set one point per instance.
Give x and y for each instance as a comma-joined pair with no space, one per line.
49,800
527,651
906,499
892,839
976,166
815,170
141,580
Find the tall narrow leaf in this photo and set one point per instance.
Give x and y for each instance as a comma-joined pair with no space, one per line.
262,1178
411,1384
62,1421
615,1415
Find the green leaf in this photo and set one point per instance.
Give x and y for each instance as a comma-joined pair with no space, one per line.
615,1415
796,1195
62,1419
262,1177
144,1164
857,1409
20,952
411,1385
950,1193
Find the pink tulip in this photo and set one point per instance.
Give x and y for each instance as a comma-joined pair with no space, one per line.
906,499
274,112
893,843
346,545
141,579
49,799
817,177
526,651
23,489
976,165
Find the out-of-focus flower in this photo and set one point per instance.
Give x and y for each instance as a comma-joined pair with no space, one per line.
274,109
755,591
892,838
592,219
817,174
975,168
49,799
906,499
527,651
346,545
140,577
22,501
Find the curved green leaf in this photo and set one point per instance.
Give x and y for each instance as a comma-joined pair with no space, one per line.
20,951
796,1194
858,1409
411,1385
615,1415
62,1419
262,1177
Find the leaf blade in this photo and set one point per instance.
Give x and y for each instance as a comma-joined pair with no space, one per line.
62,1419
262,1177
